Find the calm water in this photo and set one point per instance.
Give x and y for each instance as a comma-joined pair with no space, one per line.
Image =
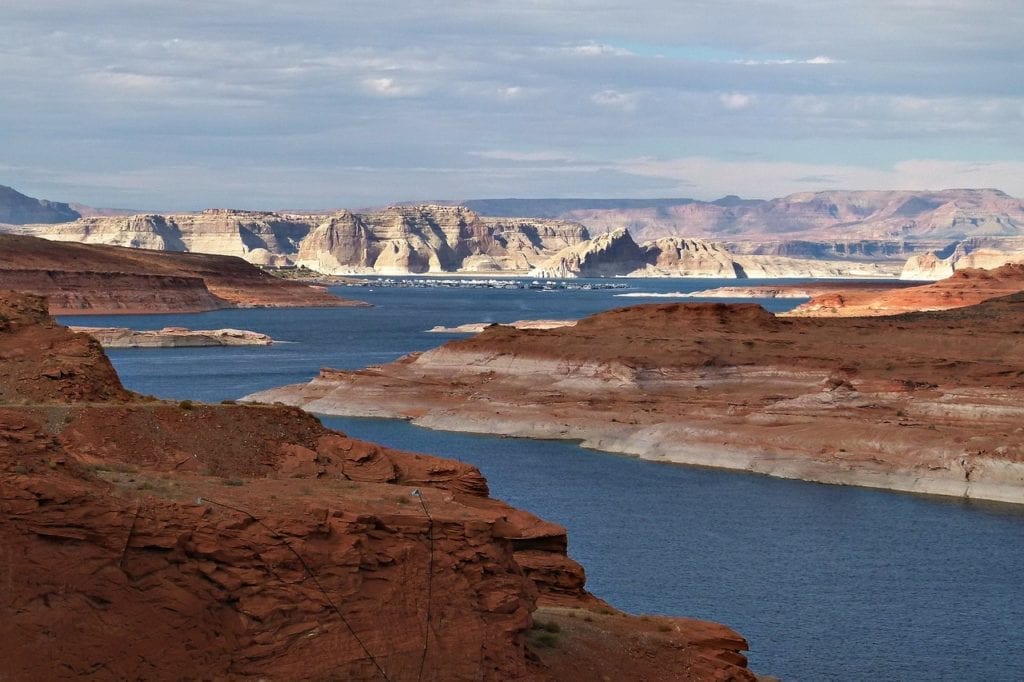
826,582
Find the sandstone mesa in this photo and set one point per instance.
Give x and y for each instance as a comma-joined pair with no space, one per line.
97,279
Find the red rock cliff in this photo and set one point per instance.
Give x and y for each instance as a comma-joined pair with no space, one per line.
144,539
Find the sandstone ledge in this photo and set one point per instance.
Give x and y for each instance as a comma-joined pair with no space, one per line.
929,402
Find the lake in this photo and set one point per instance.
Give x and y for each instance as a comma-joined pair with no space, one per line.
826,582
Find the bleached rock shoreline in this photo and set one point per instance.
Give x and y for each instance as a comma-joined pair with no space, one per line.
173,337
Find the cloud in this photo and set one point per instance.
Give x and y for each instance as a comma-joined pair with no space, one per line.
735,101
115,91
819,60
508,155
388,87
596,50
614,99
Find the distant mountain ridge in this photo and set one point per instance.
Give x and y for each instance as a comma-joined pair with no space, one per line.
859,215
18,209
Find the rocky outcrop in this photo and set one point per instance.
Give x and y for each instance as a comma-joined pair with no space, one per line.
18,209
153,540
985,253
678,257
964,288
173,337
608,255
925,402
88,278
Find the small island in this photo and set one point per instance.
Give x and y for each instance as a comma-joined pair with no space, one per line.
173,337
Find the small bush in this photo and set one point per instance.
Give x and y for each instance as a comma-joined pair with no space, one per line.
232,481
186,405
546,640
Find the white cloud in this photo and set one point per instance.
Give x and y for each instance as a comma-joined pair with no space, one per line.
613,99
388,87
509,155
735,101
596,50
819,60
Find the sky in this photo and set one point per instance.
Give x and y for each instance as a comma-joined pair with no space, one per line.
317,104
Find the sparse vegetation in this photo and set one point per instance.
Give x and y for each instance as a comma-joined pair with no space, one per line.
232,481
186,405
546,640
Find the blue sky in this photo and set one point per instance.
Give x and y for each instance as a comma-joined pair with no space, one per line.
318,104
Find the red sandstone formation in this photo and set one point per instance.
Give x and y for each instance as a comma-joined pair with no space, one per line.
965,288
141,539
88,278
930,402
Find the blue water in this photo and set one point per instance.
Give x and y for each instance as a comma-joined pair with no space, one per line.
826,582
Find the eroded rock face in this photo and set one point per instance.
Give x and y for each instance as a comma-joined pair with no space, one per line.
927,402
146,539
607,255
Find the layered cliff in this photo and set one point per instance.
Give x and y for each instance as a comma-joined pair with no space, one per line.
141,539
397,240
927,402
88,278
